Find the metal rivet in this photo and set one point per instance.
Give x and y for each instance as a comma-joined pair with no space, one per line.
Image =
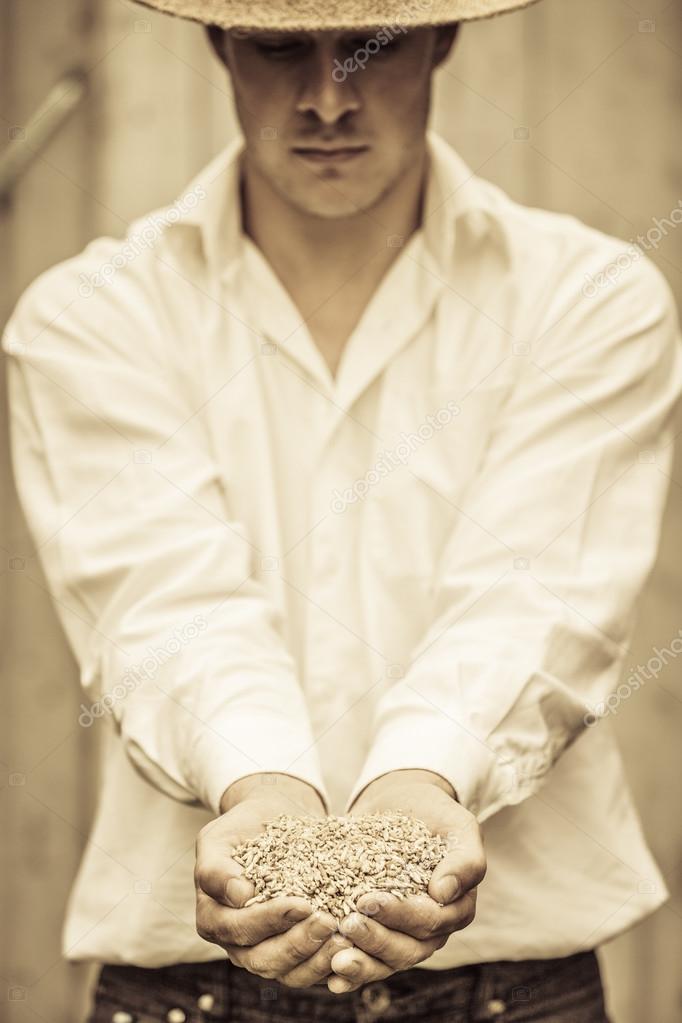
206,1002
496,1007
122,1017
175,1016
376,997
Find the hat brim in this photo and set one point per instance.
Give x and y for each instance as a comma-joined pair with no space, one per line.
312,16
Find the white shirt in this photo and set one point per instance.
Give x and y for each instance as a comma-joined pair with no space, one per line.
429,561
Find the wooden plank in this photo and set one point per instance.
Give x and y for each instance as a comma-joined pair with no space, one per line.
611,157
47,796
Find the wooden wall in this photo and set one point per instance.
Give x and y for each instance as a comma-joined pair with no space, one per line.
46,797
573,107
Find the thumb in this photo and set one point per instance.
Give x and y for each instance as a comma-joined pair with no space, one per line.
464,863
446,889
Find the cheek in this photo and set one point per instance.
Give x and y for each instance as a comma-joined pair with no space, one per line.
404,84
254,104
396,104
262,96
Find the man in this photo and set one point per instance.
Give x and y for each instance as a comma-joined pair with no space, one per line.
346,487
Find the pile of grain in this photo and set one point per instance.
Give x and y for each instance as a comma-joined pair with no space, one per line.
332,861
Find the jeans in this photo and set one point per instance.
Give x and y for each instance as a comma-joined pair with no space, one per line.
564,990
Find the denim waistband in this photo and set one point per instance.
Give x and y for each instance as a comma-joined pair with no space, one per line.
217,990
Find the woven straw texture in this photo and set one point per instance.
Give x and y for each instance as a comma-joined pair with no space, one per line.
311,15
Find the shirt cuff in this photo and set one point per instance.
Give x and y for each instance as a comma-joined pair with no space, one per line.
421,738
229,751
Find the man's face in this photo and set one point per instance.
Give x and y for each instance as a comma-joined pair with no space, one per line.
333,120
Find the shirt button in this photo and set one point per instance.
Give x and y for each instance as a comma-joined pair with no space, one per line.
206,1002
376,997
496,1007
122,1017
175,1016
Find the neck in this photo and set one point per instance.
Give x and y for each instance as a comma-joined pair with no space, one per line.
301,246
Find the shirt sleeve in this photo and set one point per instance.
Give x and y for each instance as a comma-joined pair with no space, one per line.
558,532
150,573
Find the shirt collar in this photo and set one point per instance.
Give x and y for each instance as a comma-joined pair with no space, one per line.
455,198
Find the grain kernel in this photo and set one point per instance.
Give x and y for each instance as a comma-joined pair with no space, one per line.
333,861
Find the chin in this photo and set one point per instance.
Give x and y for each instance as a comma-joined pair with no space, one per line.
329,210
336,203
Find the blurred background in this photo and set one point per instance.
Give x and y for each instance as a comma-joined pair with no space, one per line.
573,107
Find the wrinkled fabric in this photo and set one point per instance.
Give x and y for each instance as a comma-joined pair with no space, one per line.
429,560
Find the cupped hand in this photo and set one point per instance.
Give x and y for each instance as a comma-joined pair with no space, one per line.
284,938
391,934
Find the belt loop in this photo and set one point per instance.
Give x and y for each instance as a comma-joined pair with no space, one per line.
485,1001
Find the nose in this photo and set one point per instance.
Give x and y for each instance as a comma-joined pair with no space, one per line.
321,93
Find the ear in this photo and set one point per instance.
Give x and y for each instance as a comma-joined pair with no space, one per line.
216,38
445,40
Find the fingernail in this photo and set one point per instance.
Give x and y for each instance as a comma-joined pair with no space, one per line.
353,924
296,914
373,904
234,892
320,930
448,888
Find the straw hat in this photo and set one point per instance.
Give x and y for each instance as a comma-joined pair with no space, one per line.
315,16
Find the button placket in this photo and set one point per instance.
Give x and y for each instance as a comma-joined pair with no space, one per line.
325,614
324,536
317,622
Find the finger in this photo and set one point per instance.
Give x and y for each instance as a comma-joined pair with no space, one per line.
464,864
279,955
353,968
219,875
397,950
419,915
251,925
317,969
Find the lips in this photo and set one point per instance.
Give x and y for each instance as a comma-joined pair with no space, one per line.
325,154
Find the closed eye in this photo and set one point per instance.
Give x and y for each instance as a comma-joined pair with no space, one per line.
383,43
279,48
